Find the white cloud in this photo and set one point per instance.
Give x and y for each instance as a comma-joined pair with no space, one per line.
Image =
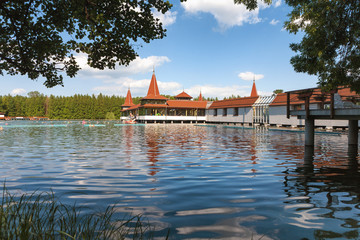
277,3
217,91
168,86
139,65
18,91
249,76
137,87
167,19
225,12
140,88
117,81
274,22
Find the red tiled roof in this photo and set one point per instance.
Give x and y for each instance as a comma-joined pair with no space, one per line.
154,105
253,91
153,97
153,92
295,98
128,100
186,104
183,95
236,102
153,87
200,97
346,94
281,99
133,107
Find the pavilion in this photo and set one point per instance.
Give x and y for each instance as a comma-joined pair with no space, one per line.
155,108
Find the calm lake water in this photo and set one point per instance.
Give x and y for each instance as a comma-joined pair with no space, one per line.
199,182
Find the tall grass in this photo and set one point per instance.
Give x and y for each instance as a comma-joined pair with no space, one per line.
42,216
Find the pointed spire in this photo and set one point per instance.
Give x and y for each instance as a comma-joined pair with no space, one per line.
200,97
128,100
253,90
153,88
153,92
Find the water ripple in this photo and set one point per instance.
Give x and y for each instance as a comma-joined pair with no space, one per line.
202,183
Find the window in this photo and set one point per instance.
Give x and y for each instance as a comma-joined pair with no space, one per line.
224,111
215,112
326,106
236,111
297,107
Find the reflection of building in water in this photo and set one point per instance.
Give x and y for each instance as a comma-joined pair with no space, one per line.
128,133
152,139
183,139
321,191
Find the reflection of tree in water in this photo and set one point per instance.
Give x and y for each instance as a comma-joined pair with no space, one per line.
323,191
179,141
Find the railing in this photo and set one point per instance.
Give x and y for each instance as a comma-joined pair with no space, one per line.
171,118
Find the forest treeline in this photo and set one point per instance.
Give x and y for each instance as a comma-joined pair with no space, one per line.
60,107
77,106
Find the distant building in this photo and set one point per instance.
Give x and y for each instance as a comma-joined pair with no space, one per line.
343,98
237,110
155,108
252,110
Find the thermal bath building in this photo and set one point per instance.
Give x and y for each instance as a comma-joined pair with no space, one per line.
155,108
253,110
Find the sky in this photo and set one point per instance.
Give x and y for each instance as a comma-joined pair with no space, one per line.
212,46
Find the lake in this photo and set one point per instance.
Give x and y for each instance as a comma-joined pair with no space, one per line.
201,182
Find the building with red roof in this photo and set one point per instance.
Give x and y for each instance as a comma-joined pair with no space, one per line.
265,110
318,100
237,110
155,108
128,101
183,96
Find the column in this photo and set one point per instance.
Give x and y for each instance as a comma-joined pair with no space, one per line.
309,132
353,135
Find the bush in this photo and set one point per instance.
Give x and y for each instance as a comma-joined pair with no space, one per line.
110,116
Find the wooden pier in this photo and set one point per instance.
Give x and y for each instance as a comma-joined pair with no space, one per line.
352,114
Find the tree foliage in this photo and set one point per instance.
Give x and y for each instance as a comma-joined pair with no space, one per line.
251,4
330,48
277,91
40,37
59,107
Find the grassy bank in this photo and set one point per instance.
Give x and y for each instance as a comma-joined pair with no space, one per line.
42,216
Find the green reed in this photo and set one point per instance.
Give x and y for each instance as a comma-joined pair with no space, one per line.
42,216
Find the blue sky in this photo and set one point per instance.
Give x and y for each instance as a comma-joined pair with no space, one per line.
212,46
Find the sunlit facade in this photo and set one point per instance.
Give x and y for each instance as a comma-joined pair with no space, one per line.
253,110
155,108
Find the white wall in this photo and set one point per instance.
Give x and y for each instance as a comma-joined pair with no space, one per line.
245,115
278,117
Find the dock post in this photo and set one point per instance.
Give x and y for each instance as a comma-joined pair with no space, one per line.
309,132
353,134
